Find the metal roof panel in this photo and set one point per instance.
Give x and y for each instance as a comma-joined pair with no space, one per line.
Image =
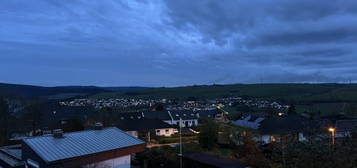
80,143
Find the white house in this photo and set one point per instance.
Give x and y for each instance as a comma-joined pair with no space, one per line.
275,128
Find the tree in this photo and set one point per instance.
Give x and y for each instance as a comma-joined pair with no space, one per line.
159,107
165,157
107,116
291,110
73,125
4,121
251,155
34,113
208,135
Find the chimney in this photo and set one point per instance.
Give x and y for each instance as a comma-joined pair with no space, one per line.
98,126
46,132
58,133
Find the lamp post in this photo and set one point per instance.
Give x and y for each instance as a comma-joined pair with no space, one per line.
332,130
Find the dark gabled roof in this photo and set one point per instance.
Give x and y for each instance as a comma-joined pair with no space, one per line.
207,113
130,115
346,125
184,115
282,125
211,160
82,143
162,115
143,124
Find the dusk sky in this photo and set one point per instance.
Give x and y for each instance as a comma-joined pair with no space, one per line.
177,42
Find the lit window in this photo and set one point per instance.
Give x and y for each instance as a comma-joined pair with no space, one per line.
272,139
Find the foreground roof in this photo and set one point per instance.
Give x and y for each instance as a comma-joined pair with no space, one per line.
80,143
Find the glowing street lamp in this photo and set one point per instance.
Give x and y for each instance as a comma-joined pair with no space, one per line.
332,130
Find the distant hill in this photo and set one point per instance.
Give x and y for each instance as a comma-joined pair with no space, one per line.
60,92
283,92
294,93
120,89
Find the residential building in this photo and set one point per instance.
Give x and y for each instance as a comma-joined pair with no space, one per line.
344,128
276,128
189,118
103,147
145,126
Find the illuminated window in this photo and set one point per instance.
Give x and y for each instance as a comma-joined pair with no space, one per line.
272,139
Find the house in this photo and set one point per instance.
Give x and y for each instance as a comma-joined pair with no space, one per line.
132,115
276,128
145,126
200,160
249,122
161,115
189,118
207,113
344,128
104,147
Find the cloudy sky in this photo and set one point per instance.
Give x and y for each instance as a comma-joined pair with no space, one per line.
177,42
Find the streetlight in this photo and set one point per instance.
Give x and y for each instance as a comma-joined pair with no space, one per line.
332,130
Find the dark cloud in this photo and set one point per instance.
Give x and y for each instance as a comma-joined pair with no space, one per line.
309,37
157,43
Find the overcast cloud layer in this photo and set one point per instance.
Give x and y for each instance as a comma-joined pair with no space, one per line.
177,42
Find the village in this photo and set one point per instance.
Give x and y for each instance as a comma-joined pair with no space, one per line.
178,84
173,104
164,124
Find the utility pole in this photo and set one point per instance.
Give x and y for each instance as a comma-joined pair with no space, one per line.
180,155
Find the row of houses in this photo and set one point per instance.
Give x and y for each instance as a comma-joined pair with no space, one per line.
189,118
162,123
272,129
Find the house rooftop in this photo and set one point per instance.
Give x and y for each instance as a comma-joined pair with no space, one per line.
80,143
162,115
281,125
183,114
143,124
346,125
